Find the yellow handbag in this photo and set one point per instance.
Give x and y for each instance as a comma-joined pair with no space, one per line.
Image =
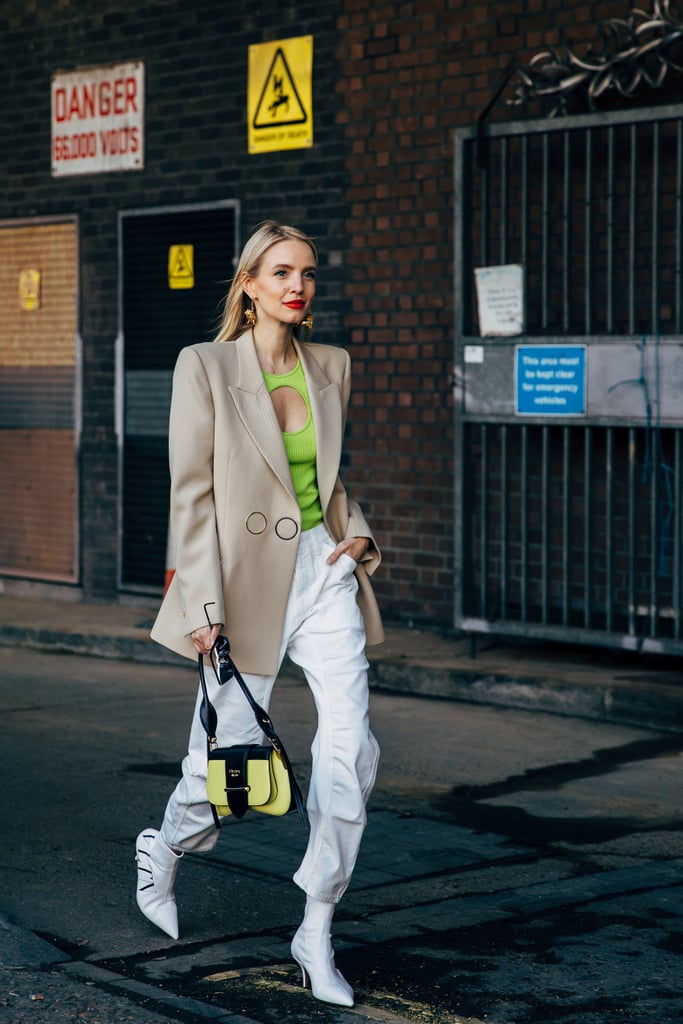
240,778
259,772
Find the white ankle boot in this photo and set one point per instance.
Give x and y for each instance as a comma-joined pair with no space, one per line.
157,866
312,950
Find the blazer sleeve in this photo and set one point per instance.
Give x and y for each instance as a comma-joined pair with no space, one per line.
357,523
193,513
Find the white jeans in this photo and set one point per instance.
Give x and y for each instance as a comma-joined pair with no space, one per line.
324,634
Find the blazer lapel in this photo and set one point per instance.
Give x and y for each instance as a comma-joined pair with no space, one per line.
255,408
327,419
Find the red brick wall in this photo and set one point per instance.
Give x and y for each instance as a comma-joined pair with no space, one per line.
410,73
391,83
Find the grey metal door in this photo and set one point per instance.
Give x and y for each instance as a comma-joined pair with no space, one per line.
568,516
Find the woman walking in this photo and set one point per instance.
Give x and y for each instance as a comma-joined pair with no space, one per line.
270,549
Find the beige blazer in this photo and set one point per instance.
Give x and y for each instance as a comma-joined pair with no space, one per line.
235,520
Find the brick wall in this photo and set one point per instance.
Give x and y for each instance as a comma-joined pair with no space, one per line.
410,73
195,60
391,82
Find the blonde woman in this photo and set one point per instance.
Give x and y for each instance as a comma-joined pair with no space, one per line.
269,544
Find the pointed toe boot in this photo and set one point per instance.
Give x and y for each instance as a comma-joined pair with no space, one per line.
314,955
157,866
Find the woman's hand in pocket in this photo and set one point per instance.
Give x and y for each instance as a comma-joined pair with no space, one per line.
354,547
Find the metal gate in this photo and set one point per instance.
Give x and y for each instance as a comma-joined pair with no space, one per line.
568,514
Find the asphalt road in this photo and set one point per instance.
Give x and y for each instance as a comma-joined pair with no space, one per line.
518,868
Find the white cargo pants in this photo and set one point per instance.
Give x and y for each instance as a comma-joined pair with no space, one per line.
325,635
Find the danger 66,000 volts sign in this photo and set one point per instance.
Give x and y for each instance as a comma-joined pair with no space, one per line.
98,119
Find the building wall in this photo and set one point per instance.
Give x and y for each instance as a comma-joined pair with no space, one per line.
391,82
410,73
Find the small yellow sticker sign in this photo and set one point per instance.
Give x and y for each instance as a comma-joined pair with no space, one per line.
181,266
280,95
29,289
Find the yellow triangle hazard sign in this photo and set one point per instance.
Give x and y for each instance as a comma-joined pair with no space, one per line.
29,289
279,102
181,266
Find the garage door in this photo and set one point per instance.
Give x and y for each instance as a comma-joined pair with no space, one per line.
38,439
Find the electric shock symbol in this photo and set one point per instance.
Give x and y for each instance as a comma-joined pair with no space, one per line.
181,266
280,97
279,103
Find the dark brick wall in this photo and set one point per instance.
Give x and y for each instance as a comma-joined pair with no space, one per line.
391,82
410,74
195,59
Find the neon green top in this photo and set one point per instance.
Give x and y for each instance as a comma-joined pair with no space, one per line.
300,448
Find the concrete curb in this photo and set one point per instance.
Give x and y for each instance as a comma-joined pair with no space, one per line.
651,706
121,648
527,687
21,948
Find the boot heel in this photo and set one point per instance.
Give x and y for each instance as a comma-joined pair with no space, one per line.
313,954
304,977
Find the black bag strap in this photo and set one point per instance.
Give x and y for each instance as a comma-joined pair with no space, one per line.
236,779
227,669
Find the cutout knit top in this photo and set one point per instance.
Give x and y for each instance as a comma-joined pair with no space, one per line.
300,448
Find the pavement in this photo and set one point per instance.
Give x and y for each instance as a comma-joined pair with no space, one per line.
544,886
596,683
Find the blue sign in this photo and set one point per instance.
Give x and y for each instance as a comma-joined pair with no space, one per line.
550,380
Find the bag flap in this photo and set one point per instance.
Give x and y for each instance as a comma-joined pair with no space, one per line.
240,777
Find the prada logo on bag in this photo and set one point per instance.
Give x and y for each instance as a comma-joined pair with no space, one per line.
233,773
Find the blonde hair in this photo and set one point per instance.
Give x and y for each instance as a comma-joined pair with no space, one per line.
267,234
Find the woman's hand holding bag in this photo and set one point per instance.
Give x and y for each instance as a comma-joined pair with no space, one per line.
245,776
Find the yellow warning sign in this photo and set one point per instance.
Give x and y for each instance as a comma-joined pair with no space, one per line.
29,289
280,95
181,266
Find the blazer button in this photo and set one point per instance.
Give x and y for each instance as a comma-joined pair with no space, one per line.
256,522
286,528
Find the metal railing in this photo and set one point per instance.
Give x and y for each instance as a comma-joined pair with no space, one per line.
570,529
572,535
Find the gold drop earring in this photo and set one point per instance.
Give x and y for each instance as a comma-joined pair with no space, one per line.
250,317
308,322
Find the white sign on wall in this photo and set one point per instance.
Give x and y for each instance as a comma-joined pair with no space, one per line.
500,300
98,119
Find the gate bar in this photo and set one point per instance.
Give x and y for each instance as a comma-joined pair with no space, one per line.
588,508
610,230
566,526
654,246
679,225
544,526
654,532
566,230
504,522
484,518
633,199
524,521
609,534
545,225
588,233
677,527
631,531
